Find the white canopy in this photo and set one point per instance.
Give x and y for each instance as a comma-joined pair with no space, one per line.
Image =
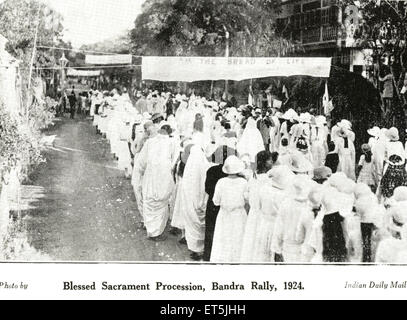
108,59
189,69
83,73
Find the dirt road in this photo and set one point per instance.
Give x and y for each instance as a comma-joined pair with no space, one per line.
82,207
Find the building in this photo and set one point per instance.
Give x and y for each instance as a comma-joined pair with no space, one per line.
317,29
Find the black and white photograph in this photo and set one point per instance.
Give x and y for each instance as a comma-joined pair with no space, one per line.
204,133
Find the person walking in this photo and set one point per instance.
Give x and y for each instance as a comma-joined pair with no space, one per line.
231,195
72,103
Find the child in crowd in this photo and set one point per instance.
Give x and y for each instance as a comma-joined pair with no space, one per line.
365,168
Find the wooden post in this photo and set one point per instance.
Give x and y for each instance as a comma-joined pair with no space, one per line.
32,63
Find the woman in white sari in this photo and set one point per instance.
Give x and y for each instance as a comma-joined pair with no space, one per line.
271,196
192,190
251,142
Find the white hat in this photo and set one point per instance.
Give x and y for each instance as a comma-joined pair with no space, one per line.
393,134
281,177
300,164
361,190
347,186
343,131
374,132
336,179
320,121
305,117
397,217
233,165
290,115
146,116
138,119
346,124
400,194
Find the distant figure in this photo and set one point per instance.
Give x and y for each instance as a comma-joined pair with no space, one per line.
72,103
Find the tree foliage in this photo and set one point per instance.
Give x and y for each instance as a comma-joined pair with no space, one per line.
19,143
199,27
119,44
381,26
18,21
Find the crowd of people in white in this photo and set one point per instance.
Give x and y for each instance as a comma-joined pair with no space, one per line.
255,185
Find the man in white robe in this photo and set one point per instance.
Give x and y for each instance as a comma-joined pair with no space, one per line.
156,162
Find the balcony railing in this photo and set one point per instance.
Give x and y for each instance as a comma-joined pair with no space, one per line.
329,33
311,35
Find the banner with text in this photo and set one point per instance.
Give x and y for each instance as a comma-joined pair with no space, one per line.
109,59
191,69
83,73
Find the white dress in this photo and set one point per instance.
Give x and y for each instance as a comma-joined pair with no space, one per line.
284,237
251,142
270,199
366,174
253,220
178,218
137,183
354,238
379,153
303,235
347,157
319,146
156,160
316,239
389,250
231,195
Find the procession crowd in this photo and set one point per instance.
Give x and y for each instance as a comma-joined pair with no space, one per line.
255,185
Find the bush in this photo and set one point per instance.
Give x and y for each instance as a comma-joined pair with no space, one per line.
42,113
19,146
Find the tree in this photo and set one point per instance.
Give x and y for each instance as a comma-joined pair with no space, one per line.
18,23
198,27
120,44
381,27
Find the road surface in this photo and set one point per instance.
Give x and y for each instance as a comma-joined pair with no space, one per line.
81,208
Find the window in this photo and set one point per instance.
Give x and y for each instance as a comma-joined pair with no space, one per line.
297,8
333,14
317,17
303,20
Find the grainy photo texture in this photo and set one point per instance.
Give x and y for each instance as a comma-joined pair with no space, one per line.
203,131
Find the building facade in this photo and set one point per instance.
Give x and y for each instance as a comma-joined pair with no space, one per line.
316,27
